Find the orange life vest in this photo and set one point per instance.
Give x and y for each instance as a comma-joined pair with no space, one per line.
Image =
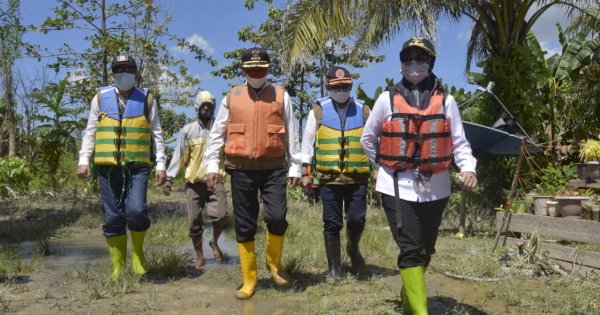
256,125
413,137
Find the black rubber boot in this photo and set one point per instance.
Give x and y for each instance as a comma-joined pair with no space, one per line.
332,248
358,262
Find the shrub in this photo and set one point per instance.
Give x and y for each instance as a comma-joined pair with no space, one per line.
15,175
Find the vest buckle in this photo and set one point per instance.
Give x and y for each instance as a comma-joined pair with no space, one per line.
118,154
342,164
343,152
119,129
343,140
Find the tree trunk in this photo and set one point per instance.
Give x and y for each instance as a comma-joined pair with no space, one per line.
10,119
104,52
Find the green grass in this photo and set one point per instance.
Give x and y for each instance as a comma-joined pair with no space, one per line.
304,259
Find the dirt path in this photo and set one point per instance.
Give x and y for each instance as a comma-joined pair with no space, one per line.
55,290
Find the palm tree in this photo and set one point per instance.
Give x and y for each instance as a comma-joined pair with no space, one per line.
498,24
500,28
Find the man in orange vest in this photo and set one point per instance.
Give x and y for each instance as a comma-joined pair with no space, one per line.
190,153
411,136
255,126
123,132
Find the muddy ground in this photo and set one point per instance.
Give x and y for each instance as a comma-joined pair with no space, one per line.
73,280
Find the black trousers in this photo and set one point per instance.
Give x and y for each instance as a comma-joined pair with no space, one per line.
245,186
418,234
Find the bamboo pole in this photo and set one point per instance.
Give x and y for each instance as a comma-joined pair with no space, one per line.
513,191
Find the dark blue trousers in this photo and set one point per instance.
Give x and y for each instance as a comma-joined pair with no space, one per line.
337,199
123,193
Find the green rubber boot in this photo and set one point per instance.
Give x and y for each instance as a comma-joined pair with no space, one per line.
415,291
117,248
138,261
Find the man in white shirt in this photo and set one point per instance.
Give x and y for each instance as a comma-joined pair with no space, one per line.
413,132
255,127
189,152
123,133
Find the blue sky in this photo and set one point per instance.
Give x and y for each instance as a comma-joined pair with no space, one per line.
213,26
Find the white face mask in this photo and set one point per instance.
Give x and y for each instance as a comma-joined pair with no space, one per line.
256,82
124,81
340,96
414,72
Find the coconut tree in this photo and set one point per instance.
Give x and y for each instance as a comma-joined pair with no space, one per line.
498,35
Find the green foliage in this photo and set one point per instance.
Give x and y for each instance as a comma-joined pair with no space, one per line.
15,175
554,179
303,80
584,105
57,126
589,150
370,101
138,27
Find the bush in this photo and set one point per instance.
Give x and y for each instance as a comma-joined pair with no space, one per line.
15,175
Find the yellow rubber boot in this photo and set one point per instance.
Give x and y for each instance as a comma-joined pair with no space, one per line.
248,264
274,248
413,283
138,260
117,248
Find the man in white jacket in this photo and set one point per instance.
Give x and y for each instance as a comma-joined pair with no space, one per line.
190,153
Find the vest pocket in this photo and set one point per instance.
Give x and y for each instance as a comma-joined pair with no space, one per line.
276,140
235,139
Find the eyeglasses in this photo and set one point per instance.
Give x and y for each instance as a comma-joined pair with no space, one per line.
256,73
124,69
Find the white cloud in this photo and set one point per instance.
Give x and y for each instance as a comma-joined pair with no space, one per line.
198,40
77,75
464,35
550,49
545,27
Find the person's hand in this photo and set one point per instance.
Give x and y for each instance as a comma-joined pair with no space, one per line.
211,181
83,171
161,178
293,181
167,188
306,183
374,176
467,180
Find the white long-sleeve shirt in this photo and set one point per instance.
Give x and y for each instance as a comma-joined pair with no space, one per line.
218,136
407,183
87,145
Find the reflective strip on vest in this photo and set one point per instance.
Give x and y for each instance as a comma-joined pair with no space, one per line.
412,137
338,148
126,139
256,125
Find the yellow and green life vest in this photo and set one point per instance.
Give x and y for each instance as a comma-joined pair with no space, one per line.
123,136
338,148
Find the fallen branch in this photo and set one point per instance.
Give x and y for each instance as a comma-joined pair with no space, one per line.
12,192
476,279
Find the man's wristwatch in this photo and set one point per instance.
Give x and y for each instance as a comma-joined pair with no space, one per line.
170,179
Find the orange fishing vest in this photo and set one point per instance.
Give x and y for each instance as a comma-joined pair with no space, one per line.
256,126
413,137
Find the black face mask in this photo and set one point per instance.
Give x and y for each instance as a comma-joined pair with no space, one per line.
205,115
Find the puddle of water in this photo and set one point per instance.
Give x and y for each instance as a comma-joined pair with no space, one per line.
91,248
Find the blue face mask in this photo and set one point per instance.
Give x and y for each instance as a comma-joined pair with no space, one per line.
124,81
414,71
